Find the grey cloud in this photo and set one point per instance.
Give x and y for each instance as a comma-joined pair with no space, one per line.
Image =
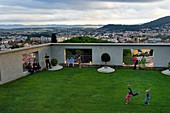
68,4
79,10
75,1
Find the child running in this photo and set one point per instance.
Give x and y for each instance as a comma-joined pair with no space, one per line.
130,93
147,96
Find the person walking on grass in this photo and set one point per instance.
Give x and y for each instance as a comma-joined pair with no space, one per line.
130,93
147,96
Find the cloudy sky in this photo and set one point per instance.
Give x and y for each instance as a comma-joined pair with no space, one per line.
30,12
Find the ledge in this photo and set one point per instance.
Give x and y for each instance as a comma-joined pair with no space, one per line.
24,48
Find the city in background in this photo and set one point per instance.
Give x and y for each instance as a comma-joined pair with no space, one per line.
24,37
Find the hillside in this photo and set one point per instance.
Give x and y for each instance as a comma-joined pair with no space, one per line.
155,23
159,22
85,39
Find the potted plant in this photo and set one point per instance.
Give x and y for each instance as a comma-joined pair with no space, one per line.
54,61
105,57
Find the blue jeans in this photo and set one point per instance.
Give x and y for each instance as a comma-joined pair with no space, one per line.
146,100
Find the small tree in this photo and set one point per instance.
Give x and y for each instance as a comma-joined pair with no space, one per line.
105,57
54,61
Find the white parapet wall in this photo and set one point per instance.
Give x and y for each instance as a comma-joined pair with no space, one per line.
11,65
161,55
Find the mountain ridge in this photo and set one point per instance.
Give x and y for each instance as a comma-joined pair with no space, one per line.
152,24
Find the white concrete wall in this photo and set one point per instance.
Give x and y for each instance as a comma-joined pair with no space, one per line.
11,61
161,52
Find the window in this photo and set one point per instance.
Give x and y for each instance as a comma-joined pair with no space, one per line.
86,54
129,53
30,57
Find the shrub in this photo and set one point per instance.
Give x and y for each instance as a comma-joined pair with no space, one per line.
105,57
54,61
128,60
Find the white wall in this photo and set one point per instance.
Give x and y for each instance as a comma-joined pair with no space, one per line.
11,61
160,59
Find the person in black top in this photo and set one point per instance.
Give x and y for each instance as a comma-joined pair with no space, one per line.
47,61
36,66
30,68
130,91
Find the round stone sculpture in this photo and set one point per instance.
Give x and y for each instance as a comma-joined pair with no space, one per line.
106,69
166,72
57,67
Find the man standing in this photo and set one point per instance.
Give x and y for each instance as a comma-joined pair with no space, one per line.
135,61
47,61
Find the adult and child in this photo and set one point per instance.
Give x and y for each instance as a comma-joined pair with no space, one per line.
136,61
71,61
35,66
32,67
130,93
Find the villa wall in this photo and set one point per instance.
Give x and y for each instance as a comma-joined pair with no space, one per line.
161,55
11,67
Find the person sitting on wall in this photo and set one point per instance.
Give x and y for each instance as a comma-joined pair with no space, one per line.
36,66
71,61
30,68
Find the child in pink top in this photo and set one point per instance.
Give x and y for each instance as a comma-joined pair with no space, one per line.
130,93
128,98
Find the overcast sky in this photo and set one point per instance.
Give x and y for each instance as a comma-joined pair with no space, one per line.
82,11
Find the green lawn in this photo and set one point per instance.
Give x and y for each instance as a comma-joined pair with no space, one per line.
74,90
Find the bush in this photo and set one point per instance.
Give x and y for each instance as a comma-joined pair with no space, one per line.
105,57
54,61
128,60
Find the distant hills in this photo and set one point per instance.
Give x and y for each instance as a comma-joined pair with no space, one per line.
13,26
110,27
151,25
159,22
